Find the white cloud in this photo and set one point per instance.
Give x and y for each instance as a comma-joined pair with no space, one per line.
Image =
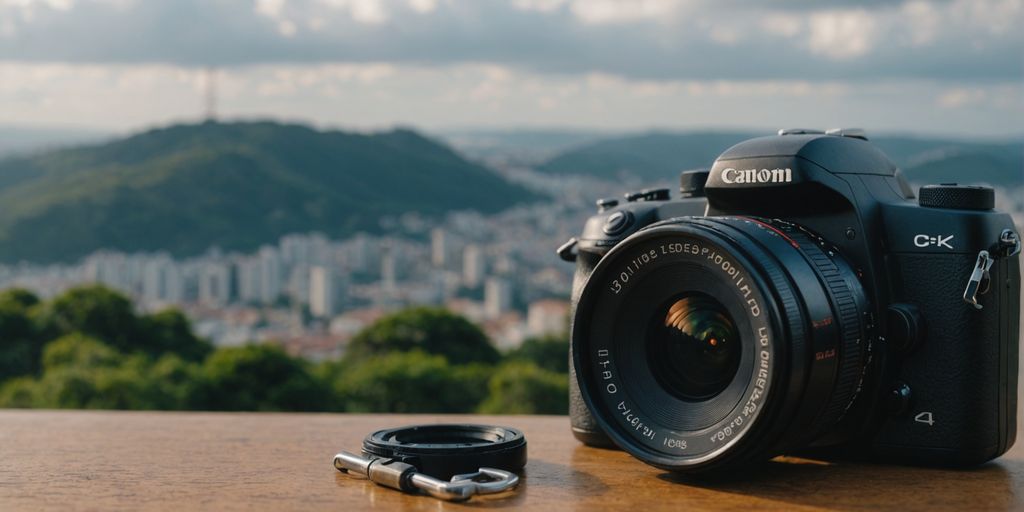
618,11
376,95
997,16
1008,98
539,5
7,28
959,97
317,13
923,21
842,34
726,35
287,28
601,12
423,6
782,24
270,8
367,11
60,5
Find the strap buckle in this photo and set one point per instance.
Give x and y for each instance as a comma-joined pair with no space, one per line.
978,275
405,477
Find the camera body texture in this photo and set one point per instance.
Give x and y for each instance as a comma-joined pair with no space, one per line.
797,299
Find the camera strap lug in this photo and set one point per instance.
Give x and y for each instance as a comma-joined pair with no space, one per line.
405,477
566,251
1007,246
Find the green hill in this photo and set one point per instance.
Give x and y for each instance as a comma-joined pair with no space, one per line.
660,156
186,188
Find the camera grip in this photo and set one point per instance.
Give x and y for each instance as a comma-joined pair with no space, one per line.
584,427
964,374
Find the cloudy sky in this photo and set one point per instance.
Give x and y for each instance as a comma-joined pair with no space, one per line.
950,67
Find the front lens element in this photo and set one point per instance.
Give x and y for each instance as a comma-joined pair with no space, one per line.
693,347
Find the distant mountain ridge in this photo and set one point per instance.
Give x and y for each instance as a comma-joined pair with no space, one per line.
186,188
530,145
650,156
22,140
661,155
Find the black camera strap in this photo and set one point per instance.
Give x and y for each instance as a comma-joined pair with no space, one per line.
451,462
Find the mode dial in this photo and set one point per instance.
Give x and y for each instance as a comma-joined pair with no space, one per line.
959,197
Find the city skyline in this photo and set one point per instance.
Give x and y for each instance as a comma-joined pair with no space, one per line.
312,294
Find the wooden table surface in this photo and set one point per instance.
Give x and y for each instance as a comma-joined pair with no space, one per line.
80,460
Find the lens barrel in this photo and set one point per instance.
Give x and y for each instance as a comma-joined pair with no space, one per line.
702,343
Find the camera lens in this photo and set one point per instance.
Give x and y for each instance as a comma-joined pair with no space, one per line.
693,347
707,342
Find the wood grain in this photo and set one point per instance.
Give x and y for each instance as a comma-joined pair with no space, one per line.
82,460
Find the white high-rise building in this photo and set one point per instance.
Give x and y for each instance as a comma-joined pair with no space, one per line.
215,284
110,269
174,280
497,297
321,251
152,281
295,249
162,281
305,249
440,248
298,285
359,251
473,266
325,292
250,286
388,268
270,274
504,265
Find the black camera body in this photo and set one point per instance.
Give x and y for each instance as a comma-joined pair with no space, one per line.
797,298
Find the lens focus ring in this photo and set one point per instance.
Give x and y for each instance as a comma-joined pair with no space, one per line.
851,359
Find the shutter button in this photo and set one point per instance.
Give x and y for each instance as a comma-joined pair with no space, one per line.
617,223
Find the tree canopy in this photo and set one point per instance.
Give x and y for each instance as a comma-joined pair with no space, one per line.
89,348
431,330
549,352
260,378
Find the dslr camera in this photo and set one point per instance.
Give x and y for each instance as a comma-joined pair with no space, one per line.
797,299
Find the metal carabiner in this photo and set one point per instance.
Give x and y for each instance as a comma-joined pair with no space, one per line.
1007,246
405,477
979,274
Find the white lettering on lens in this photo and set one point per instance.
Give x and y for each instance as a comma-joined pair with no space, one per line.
744,176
